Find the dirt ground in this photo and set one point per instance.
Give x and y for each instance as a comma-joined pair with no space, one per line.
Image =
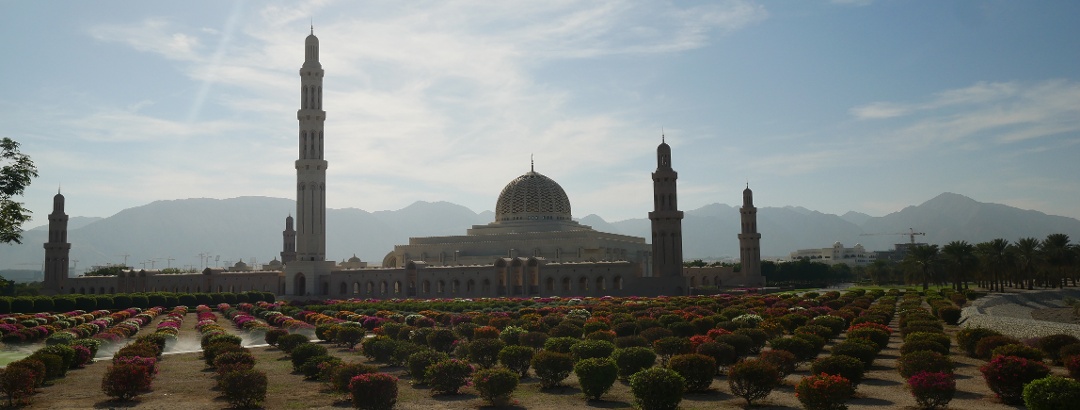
184,383
1058,315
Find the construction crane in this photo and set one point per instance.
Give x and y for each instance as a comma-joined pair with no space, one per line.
910,233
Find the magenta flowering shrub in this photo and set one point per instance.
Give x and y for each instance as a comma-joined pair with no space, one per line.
824,392
1007,375
373,391
932,390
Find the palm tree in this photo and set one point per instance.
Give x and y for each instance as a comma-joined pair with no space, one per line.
962,255
1058,254
1028,258
923,258
995,255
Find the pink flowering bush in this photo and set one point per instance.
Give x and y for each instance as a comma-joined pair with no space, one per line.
1007,375
374,391
824,392
932,390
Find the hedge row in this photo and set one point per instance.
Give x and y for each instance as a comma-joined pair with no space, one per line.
64,303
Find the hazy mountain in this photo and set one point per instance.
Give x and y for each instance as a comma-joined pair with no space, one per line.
74,222
250,228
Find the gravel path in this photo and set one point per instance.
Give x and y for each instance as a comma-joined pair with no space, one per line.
1010,313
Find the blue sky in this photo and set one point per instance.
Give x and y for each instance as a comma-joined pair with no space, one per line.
831,105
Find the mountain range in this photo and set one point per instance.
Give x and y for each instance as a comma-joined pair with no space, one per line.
249,228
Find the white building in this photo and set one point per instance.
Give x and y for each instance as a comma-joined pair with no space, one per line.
856,256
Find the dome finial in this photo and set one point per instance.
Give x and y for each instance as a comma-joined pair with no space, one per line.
662,134
532,164
313,26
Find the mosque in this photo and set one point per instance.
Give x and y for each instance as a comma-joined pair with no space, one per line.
534,248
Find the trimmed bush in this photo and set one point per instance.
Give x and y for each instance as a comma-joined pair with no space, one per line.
589,349
342,375
932,389
126,379
1007,375
517,358
824,391
560,344
379,348
753,379
923,361
937,337
373,391
290,341
243,388
657,388
318,366
17,383
920,345
596,376
417,363
949,314
968,338
784,361
847,367
1051,345
743,344
878,336
485,352
804,350
862,349
302,353
722,353
230,361
447,376
495,384
697,369
552,367
631,360
1052,393
1072,364
271,337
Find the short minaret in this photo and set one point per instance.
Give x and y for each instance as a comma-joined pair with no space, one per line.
288,241
311,167
667,251
749,238
57,249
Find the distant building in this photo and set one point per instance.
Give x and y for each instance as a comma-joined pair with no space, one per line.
533,248
837,254
897,254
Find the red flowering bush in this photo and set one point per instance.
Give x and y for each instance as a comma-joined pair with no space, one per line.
1007,375
17,382
1072,363
374,391
824,392
932,390
127,378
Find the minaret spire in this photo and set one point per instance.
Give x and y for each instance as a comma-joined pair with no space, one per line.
666,218
532,164
311,164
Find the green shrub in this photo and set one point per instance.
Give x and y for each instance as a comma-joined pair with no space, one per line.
485,352
785,361
418,363
949,314
804,350
343,374
373,391
596,376
847,367
862,349
349,336
230,361
302,353
441,339
985,348
92,344
757,337
243,388
743,344
824,391
696,369
517,358
1007,375
379,348
447,376
835,324
211,352
920,345
1052,393
495,384
631,360
968,338
631,341
560,344
722,353
552,367
534,340
657,388
753,379
54,365
290,341
588,349
67,353
932,389
939,338
923,361
1018,350
1051,345
318,366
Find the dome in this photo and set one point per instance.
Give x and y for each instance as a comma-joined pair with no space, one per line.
532,196
354,259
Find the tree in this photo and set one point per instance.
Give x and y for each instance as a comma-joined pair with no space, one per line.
15,176
1057,253
996,258
962,256
923,258
1028,258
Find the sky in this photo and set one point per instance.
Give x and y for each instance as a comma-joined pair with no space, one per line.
835,106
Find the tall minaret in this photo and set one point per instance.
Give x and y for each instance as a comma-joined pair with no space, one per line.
288,241
667,252
57,249
311,167
749,239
